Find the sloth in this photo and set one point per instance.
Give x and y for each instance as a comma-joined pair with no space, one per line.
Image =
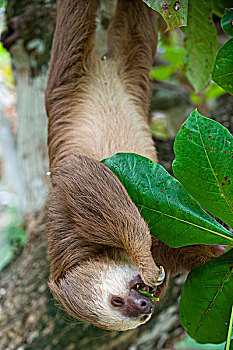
100,248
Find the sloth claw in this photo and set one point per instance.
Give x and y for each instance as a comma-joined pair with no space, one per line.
161,277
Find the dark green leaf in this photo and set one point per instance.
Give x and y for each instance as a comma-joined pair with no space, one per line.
207,299
172,214
229,333
173,12
223,67
227,21
204,164
201,44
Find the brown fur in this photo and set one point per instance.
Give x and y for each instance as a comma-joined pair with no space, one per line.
96,107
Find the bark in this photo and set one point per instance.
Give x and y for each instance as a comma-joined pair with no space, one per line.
32,126
29,317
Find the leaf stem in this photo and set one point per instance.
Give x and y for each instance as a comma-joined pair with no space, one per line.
229,330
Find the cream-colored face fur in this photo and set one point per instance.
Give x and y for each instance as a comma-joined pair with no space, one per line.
86,292
115,280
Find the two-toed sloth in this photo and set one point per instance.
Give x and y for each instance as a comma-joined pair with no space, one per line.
100,248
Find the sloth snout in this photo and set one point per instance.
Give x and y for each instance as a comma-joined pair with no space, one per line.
137,304
134,305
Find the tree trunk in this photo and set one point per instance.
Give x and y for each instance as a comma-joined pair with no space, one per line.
29,318
32,130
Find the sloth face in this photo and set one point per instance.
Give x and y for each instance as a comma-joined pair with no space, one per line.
104,292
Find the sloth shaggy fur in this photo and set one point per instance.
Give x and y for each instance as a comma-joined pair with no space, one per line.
97,106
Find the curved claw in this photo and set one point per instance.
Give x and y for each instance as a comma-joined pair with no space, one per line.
161,276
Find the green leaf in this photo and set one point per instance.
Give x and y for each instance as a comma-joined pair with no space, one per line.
204,164
201,44
223,67
229,335
173,54
173,216
213,91
227,21
161,72
207,299
173,12
220,6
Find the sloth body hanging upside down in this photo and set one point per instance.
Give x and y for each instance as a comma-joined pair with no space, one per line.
100,248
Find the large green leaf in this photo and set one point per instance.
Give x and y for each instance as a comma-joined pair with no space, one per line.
223,67
204,164
172,214
173,12
201,44
207,299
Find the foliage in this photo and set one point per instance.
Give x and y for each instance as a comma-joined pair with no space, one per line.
210,170
226,21
208,291
204,160
223,67
219,6
174,12
6,75
3,3
12,237
200,44
197,54
172,53
172,214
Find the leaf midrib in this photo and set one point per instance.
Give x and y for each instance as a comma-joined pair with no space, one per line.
184,221
212,302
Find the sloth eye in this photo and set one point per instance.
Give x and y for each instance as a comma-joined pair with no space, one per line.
117,301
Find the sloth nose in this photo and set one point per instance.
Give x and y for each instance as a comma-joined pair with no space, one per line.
138,304
134,305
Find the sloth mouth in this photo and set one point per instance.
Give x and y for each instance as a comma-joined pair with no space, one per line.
137,283
144,318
